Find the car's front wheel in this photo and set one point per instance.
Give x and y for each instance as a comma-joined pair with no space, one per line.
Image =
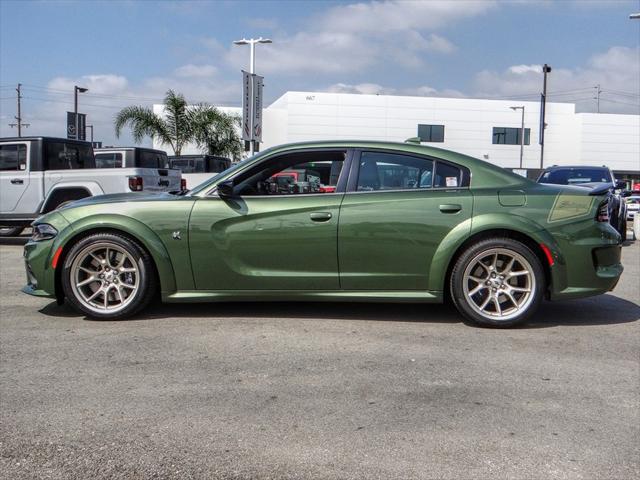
497,282
108,276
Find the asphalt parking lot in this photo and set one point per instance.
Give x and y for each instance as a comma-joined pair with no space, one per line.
319,390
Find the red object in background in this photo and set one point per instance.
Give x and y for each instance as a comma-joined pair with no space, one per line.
635,187
327,189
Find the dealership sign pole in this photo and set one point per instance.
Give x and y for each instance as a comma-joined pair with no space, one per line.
252,98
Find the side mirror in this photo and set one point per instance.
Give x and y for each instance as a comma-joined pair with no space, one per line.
225,189
621,184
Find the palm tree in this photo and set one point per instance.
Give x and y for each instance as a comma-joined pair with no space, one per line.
216,132
174,130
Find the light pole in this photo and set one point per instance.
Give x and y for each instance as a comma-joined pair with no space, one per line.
252,66
545,70
521,132
91,127
76,90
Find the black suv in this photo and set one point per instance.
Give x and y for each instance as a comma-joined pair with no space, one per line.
593,177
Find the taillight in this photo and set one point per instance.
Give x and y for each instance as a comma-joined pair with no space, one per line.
603,212
183,184
135,184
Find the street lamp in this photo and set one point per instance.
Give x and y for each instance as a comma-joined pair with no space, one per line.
521,132
76,90
635,16
252,44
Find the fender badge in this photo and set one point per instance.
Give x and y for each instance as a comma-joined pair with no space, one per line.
176,235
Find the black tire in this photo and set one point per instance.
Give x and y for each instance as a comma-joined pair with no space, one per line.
471,256
146,283
10,231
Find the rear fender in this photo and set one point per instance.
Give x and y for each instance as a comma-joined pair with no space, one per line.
449,248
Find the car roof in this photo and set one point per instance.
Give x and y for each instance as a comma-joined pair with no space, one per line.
569,167
31,138
111,149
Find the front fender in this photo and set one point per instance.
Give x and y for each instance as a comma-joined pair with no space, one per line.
135,229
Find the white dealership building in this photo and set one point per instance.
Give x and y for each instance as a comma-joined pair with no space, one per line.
487,129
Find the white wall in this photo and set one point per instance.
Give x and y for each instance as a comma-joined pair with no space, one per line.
570,138
608,138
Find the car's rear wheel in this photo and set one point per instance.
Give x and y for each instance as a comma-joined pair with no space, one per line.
108,276
497,282
10,231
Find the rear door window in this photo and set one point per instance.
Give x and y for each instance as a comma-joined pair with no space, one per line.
447,176
13,157
391,171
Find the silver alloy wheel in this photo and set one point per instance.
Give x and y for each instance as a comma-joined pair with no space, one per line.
499,284
104,277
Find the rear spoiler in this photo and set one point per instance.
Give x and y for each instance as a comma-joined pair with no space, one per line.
599,189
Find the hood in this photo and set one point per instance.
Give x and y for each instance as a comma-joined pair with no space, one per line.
121,197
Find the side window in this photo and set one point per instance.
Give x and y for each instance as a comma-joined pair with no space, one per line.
108,160
295,174
390,171
447,176
13,157
67,156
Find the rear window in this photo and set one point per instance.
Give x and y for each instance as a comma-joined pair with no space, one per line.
108,160
188,165
68,156
151,160
571,176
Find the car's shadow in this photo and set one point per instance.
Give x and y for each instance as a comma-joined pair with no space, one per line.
603,310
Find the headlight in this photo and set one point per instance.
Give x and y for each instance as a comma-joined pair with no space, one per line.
43,231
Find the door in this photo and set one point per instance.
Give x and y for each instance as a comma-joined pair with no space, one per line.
14,177
397,211
278,230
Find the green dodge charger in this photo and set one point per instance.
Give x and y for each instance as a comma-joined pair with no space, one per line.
334,221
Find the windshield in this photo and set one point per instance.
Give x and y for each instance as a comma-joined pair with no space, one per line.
574,176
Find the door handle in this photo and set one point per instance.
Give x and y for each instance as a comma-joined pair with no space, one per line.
320,216
450,208
17,181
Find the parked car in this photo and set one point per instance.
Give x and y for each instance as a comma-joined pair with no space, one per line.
152,166
38,174
633,205
590,176
198,168
405,223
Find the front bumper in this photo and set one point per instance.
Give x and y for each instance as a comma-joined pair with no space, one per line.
38,257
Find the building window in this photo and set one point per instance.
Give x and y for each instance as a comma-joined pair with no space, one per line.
509,136
431,133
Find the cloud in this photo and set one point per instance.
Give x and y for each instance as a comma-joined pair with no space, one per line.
375,89
358,37
617,71
191,70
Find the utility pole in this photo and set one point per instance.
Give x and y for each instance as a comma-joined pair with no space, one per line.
545,69
91,127
18,117
597,97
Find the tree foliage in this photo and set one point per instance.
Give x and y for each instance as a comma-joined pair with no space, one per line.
215,132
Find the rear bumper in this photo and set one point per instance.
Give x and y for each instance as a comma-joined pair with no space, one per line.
589,265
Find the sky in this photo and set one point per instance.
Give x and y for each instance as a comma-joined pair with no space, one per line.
131,52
